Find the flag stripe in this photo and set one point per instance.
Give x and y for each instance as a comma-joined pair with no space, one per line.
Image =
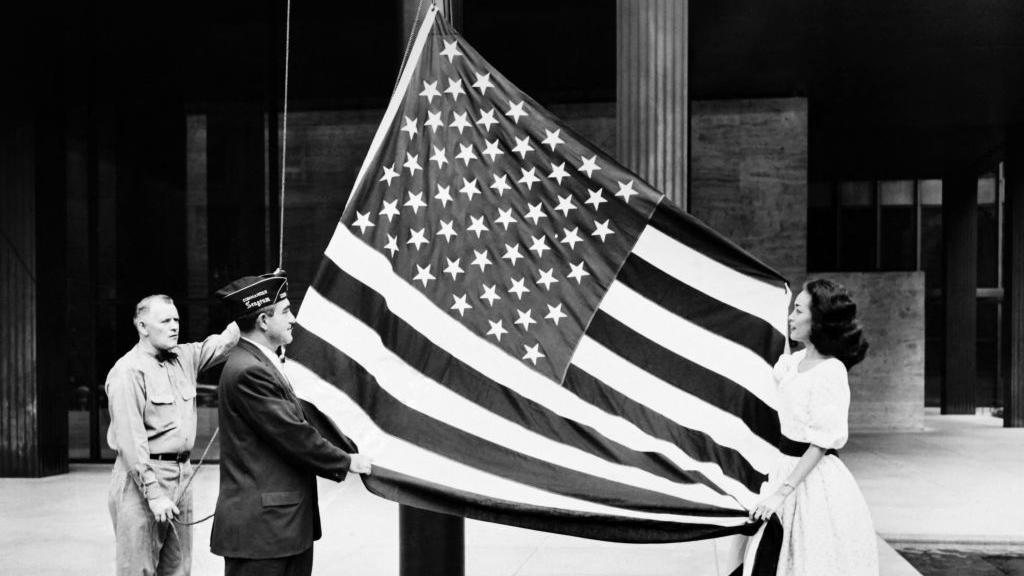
396,454
436,419
688,231
633,381
708,275
691,378
709,313
371,310
685,339
414,491
696,443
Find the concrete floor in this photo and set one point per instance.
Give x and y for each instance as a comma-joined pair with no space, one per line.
959,482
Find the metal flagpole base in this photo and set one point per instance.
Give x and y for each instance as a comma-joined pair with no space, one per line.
430,543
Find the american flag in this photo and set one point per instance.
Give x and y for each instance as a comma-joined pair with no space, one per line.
518,329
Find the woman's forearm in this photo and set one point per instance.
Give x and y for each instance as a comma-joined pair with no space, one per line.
807,462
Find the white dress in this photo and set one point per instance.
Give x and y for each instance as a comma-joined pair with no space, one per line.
826,524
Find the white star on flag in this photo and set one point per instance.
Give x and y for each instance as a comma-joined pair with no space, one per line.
444,194
626,190
522,147
578,272
483,82
389,210
525,319
392,245
602,229
492,150
434,121
423,275
429,91
454,268
518,288
554,313
477,226
363,221
447,230
487,119
535,213
415,201
439,156
596,198
460,304
512,253
469,188
529,178
450,50
417,238
500,184
539,245
389,174
558,173
466,153
490,293
589,165
565,205
552,139
481,260
505,218
496,330
547,278
412,163
460,121
515,111
571,237
455,88
532,353
410,127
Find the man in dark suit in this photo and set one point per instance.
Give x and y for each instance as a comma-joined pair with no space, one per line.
267,516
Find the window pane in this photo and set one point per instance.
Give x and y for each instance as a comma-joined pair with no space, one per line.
987,388
898,237
988,234
856,226
896,192
821,227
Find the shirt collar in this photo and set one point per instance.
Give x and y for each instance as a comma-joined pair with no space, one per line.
266,351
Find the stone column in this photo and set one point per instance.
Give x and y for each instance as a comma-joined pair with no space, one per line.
1013,300
960,239
652,103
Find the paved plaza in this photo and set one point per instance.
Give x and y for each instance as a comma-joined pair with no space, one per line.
959,483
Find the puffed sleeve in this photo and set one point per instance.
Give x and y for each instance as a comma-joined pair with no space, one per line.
785,364
829,407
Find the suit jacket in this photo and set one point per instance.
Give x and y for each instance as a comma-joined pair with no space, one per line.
270,456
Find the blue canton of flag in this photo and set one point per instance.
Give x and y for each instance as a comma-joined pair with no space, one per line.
496,211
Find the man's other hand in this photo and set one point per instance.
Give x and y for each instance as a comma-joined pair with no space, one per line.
163,509
360,464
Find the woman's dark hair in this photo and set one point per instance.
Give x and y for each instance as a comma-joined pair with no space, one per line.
834,327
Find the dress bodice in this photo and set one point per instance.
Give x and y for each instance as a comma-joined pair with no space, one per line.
813,404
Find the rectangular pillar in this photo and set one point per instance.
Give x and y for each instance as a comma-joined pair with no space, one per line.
960,241
33,420
1013,302
652,93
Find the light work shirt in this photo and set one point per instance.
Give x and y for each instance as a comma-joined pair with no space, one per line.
152,403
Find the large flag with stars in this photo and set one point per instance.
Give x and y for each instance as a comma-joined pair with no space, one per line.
518,329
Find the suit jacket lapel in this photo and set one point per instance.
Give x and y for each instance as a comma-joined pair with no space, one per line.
282,381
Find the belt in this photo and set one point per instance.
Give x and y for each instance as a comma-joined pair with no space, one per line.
179,457
797,449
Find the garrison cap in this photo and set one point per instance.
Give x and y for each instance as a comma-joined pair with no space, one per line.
251,293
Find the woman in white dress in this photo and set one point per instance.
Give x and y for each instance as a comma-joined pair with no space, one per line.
826,524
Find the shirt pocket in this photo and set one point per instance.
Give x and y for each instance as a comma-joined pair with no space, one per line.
160,409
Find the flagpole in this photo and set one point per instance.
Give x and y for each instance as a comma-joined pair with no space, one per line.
430,543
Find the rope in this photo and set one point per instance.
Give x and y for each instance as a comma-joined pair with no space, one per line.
284,130
177,500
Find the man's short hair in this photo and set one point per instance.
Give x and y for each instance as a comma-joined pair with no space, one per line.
247,323
143,306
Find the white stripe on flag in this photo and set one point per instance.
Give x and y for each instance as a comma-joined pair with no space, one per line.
684,338
373,269
757,298
400,456
686,410
407,385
